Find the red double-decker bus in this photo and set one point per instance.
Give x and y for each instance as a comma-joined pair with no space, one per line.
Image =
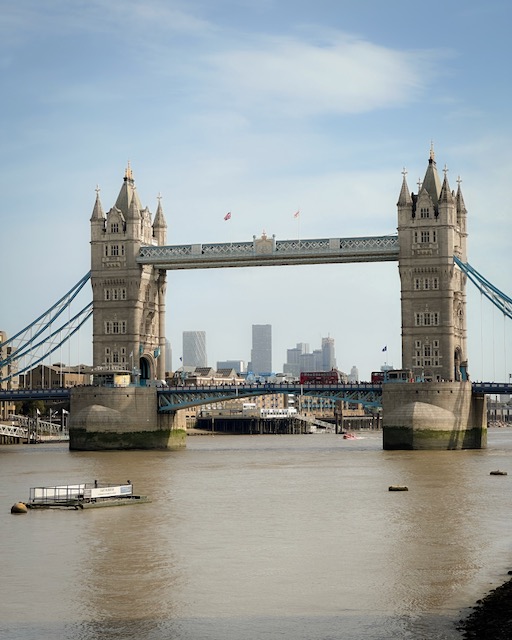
320,377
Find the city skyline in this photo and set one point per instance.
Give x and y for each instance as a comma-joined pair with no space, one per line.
298,358
296,119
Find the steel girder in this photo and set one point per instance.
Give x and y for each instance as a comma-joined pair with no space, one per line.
184,397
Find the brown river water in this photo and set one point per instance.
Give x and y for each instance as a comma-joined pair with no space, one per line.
256,537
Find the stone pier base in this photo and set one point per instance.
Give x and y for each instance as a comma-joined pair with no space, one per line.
107,418
433,415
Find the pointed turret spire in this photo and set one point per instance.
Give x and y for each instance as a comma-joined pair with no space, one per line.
97,212
128,174
431,183
405,195
159,221
461,206
159,224
446,194
128,193
134,207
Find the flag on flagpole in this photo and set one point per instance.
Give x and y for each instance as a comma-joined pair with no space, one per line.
227,216
296,214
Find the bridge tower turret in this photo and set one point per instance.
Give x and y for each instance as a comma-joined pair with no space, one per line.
431,230
128,298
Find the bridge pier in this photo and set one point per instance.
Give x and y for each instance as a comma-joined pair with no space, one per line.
433,416
115,418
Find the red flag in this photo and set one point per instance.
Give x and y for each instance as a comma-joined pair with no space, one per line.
227,216
296,214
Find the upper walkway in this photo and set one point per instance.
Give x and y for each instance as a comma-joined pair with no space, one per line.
269,251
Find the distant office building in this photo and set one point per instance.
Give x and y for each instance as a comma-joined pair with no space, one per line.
237,365
301,359
353,375
328,354
293,356
261,352
194,349
318,360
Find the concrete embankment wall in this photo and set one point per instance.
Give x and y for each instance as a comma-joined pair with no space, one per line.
103,418
436,415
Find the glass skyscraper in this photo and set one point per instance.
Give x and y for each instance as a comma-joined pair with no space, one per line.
194,349
261,352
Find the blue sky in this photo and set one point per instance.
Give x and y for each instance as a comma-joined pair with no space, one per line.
258,107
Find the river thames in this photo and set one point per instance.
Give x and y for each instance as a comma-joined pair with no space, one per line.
254,537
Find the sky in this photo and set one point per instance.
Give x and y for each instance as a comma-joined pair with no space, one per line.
260,108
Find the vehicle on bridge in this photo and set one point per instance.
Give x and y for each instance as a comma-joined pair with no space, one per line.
392,375
321,377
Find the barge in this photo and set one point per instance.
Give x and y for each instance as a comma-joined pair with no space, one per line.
86,495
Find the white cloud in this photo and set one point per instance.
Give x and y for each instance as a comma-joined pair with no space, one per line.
343,75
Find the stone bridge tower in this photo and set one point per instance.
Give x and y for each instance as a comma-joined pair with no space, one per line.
120,411
438,410
431,230
128,298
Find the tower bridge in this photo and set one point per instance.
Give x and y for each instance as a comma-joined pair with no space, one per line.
130,258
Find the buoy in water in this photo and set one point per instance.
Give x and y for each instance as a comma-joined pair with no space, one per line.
398,487
19,507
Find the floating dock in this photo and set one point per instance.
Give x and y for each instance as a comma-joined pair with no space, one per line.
87,495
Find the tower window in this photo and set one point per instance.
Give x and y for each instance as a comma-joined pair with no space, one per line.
115,326
114,250
426,319
424,212
115,294
114,227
